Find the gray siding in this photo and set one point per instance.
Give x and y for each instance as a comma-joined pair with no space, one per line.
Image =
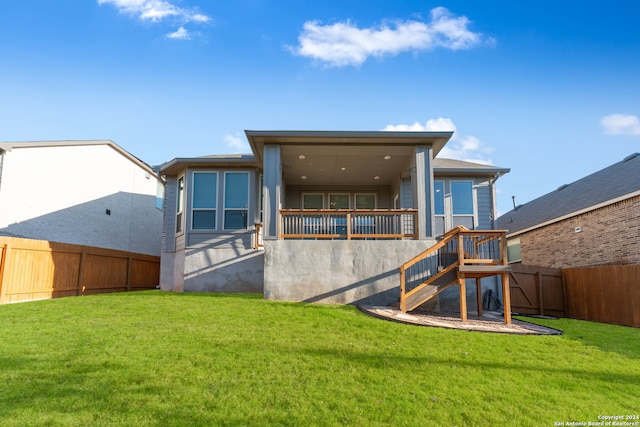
406,194
169,215
485,210
227,240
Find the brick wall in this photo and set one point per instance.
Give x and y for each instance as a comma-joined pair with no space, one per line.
609,235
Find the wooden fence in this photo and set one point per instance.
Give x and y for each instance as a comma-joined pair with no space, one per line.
608,294
36,269
537,290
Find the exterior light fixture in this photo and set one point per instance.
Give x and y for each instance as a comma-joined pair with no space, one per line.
387,157
376,177
303,177
302,157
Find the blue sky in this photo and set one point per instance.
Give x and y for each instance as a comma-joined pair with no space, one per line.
550,89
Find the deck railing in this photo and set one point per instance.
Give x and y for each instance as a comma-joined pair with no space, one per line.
349,224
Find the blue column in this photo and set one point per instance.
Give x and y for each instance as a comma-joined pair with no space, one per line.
422,181
271,190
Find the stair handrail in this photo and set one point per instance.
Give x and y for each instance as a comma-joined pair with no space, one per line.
446,238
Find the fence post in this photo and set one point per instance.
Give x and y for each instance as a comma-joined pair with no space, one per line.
540,292
129,274
3,262
83,259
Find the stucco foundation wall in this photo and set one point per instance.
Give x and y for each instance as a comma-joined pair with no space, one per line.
211,269
172,271
609,235
338,271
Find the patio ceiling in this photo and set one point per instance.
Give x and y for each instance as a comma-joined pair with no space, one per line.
344,165
345,157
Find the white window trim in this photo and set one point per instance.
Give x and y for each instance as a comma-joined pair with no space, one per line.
311,194
375,199
224,200
338,194
180,202
474,202
193,209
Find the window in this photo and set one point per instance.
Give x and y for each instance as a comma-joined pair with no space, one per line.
312,201
179,204
236,200
205,194
513,250
365,201
462,203
338,201
438,198
159,195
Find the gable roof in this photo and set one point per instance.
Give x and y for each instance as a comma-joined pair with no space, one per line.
9,146
457,167
614,183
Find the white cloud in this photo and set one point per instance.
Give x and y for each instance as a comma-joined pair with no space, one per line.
621,124
343,43
237,144
156,10
179,34
465,147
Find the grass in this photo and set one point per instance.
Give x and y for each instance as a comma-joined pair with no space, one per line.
157,359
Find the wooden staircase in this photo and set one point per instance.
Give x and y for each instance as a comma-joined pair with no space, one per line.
461,254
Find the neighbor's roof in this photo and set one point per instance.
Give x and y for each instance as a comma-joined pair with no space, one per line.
614,183
9,146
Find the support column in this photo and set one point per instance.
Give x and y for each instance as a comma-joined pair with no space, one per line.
506,298
271,191
479,295
463,297
422,183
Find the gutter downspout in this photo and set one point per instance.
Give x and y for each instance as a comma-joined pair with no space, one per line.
1,164
494,202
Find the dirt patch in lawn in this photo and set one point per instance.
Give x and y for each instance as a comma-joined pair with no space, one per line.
490,322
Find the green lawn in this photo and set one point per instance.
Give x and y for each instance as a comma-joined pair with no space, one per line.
154,358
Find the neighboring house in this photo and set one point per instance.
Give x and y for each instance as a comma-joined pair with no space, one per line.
90,193
592,221
335,213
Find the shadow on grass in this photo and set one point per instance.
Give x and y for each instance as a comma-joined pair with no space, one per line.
622,340
409,363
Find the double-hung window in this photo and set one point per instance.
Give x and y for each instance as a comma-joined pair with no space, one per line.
179,204
365,201
462,203
205,195
438,198
236,200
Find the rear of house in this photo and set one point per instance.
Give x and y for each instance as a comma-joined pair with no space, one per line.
324,216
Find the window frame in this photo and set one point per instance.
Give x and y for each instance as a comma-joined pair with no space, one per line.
201,209
474,209
179,204
226,209
375,201
340,194
312,194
